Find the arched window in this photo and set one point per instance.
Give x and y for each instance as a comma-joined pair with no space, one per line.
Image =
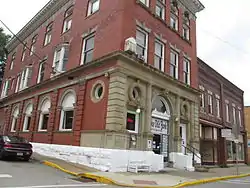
48,34
33,43
27,119
14,119
160,107
44,116
67,19
67,113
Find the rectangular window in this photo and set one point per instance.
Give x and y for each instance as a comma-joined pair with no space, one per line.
174,61
240,121
160,9
234,115
33,43
67,25
24,51
202,100
210,104
14,124
27,122
60,59
142,43
93,7
12,61
41,72
17,83
25,78
88,49
186,71
174,22
132,122
159,55
48,34
227,112
145,2
45,121
218,107
186,32
5,88
68,120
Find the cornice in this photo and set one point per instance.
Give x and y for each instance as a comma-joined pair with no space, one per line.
193,5
44,14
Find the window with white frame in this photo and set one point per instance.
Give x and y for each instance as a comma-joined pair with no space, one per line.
202,97
5,88
12,60
41,72
18,83
33,45
186,32
210,103
14,119
132,122
93,6
159,55
234,115
60,58
88,49
174,61
218,106
227,112
44,115
48,34
25,78
145,2
174,23
24,51
186,71
67,19
160,9
239,116
142,43
67,112
27,118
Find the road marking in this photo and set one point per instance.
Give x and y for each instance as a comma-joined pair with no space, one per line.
238,181
5,176
73,185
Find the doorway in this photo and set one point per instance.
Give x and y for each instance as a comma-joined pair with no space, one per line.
157,144
183,135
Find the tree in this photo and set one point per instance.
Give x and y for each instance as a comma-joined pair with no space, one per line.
4,38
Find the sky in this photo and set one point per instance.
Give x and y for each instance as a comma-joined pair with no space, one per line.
223,39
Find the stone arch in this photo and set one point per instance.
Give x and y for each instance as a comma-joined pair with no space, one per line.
28,108
65,94
15,111
46,98
165,99
161,105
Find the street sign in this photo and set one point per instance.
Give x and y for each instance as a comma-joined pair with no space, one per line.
226,133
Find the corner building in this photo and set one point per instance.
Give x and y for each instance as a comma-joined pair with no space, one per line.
78,85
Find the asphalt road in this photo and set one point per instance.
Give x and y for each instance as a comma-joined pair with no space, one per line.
17,174
233,183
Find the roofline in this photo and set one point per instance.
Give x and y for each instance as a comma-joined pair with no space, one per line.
222,77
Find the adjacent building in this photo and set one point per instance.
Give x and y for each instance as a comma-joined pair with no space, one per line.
221,107
106,74
247,124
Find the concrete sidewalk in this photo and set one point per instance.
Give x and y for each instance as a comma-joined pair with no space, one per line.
168,178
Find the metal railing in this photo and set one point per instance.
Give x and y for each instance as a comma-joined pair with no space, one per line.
192,150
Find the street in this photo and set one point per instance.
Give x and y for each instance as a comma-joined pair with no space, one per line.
33,174
239,183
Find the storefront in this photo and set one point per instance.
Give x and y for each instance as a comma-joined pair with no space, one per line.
231,148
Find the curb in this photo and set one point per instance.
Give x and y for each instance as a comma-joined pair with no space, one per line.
105,180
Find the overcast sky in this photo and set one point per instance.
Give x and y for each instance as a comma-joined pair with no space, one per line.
223,34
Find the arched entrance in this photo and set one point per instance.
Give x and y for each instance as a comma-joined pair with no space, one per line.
160,126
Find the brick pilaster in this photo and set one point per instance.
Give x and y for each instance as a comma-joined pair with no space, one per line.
34,117
20,118
7,122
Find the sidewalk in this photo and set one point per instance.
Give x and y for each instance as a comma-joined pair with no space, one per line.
169,178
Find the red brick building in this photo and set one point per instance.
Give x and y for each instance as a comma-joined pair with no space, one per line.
74,83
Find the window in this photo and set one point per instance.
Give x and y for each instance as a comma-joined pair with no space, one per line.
132,122
142,43
67,20
174,17
14,119
24,51
174,61
202,97
186,71
5,88
17,83
67,112
160,9
186,32
32,47
88,49
93,7
25,78
227,112
234,115
210,103
239,116
27,118
159,55
61,58
145,2
48,34
12,61
44,116
41,72
218,107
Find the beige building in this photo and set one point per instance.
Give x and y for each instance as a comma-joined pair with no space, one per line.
247,124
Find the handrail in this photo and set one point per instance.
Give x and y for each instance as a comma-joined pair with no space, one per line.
193,148
191,151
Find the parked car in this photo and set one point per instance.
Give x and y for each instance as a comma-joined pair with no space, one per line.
15,146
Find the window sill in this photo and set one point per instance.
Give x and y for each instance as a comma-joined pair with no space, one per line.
46,45
88,16
65,131
42,131
132,132
25,131
65,32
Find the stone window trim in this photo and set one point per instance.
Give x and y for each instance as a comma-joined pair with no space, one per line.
137,122
209,92
227,101
233,104
160,38
201,88
93,91
185,55
143,26
139,90
26,116
89,32
217,96
41,112
174,47
14,118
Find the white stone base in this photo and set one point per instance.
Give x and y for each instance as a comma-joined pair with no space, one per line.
181,161
102,159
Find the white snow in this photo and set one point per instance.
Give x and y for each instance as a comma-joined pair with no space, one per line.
99,158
